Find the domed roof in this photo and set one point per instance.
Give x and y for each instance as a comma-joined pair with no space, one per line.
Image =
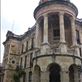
42,1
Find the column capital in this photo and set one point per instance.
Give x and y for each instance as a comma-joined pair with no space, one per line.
61,13
45,15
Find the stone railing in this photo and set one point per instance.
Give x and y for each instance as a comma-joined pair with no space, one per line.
49,51
73,52
53,51
70,51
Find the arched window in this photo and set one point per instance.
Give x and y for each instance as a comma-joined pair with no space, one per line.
74,74
68,32
37,73
53,23
54,75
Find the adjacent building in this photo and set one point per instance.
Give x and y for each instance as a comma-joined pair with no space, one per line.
1,73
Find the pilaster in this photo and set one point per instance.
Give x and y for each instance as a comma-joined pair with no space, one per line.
81,40
45,76
36,35
74,41
64,75
35,77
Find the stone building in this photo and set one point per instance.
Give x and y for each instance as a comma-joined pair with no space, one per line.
50,51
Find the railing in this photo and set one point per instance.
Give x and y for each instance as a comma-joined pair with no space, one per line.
54,51
70,51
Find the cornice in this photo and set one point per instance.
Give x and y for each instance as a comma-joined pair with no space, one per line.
11,35
79,21
56,2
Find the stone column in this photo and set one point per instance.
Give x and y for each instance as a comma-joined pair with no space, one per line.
80,36
62,33
45,45
45,76
62,30
35,77
74,40
45,29
64,75
36,35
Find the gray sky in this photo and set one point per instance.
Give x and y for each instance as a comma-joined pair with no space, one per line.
17,16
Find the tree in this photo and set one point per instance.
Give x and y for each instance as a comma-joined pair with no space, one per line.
19,72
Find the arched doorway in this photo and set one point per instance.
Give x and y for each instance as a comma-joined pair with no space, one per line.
54,75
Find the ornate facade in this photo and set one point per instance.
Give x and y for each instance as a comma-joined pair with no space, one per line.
50,51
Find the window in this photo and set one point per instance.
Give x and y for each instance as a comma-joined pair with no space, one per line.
32,45
13,49
24,78
54,75
27,46
80,51
77,37
30,77
24,45
22,48
31,60
25,61
21,62
56,34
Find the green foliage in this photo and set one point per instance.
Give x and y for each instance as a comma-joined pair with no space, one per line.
18,74
16,78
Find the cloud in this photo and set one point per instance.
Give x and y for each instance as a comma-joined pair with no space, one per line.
17,14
